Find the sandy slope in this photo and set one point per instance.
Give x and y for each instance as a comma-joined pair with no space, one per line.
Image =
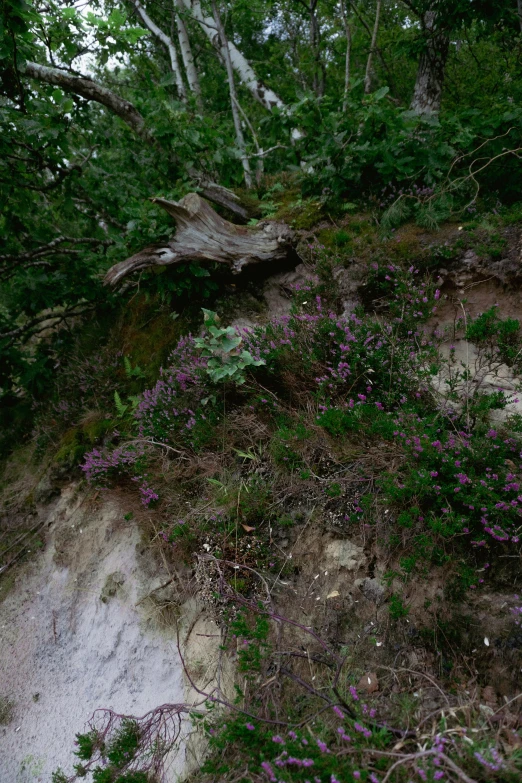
65,652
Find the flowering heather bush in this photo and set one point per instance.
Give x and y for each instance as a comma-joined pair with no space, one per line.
101,465
452,484
461,483
338,750
404,294
169,412
456,480
173,409
354,355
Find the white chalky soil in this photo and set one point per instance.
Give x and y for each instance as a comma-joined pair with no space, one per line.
64,652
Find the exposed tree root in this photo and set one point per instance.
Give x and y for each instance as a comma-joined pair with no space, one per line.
203,235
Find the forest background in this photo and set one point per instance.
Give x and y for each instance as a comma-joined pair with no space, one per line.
106,104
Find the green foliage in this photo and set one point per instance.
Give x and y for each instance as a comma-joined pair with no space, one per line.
222,347
130,371
500,338
122,748
122,408
73,173
285,445
397,609
333,490
87,744
252,633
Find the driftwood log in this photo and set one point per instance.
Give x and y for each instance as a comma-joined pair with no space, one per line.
203,235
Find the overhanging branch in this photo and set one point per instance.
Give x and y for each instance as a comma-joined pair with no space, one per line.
92,91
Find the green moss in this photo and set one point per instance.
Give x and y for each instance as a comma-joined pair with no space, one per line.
78,440
147,336
301,214
69,446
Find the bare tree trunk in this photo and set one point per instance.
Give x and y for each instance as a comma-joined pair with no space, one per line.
368,74
203,235
427,93
519,9
264,95
319,71
186,53
240,139
348,33
166,41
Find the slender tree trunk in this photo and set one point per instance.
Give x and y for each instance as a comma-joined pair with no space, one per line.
240,139
264,95
186,54
368,74
427,93
166,41
348,33
260,166
319,78
519,9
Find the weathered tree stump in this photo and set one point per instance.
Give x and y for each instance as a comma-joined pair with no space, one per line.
203,235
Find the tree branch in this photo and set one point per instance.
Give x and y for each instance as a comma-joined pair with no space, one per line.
186,54
92,91
10,263
27,330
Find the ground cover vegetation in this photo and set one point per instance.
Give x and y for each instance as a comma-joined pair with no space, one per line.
343,411
390,121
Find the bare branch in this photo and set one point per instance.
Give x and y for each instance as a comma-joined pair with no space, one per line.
50,247
92,91
41,323
263,94
9,264
368,74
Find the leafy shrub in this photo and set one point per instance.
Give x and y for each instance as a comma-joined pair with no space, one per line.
499,338
220,347
377,148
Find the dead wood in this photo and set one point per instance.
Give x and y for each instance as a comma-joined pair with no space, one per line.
203,235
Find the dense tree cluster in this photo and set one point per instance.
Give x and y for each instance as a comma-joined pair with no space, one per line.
108,103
